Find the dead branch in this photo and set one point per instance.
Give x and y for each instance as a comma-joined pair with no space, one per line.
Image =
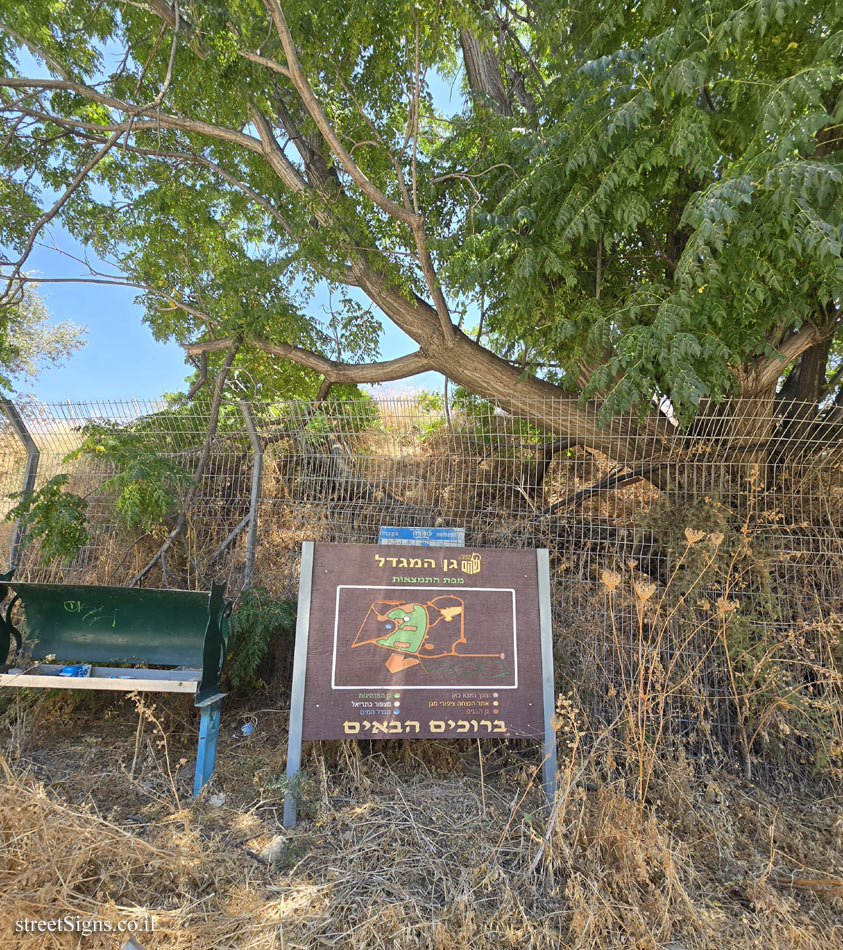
202,378
614,480
230,539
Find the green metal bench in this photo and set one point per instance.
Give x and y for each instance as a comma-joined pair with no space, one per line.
106,626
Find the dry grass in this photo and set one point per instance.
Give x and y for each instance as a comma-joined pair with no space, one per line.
397,849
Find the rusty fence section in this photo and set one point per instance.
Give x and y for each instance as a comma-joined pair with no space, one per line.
696,569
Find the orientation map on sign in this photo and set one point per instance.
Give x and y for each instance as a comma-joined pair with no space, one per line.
410,641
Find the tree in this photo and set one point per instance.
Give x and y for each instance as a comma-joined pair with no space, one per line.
642,200
28,341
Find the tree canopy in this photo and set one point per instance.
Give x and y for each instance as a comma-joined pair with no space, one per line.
635,202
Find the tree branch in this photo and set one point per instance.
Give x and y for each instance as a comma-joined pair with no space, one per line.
49,215
264,61
162,119
767,371
333,370
278,161
86,130
202,378
483,71
409,314
326,130
54,64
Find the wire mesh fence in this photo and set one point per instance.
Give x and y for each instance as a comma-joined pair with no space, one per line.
697,574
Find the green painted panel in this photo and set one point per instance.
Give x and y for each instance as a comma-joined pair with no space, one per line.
90,624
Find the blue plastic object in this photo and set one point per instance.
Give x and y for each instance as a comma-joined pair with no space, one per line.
76,669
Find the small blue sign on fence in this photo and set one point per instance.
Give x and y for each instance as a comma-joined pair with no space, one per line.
426,537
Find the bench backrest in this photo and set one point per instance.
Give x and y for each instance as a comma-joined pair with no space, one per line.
101,624
92,624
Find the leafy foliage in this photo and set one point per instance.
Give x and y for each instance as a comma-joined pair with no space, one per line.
55,516
146,484
257,621
491,426
673,209
642,199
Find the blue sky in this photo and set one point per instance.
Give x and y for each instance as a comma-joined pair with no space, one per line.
121,359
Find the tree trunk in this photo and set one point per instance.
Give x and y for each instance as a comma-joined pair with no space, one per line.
646,443
483,71
734,438
798,402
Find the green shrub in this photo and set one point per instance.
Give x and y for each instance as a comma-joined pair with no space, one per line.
147,485
257,621
54,515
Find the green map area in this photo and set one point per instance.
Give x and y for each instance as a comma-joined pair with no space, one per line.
414,634
410,628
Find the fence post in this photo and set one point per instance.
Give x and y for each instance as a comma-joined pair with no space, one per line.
10,411
257,471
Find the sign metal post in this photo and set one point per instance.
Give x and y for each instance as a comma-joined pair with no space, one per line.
548,689
297,694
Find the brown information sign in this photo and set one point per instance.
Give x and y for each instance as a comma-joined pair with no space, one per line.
397,641
413,642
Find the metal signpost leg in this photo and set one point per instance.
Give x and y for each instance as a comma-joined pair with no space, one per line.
297,696
548,690
206,755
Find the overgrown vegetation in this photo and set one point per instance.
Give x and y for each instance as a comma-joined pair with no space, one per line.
699,633
53,516
143,486
705,635
704,654
725,621
256,622
146,485
705,860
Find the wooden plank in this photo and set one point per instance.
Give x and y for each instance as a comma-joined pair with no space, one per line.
162,681
106,672
41,669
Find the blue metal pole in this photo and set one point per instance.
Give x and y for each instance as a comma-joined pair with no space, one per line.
209,731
